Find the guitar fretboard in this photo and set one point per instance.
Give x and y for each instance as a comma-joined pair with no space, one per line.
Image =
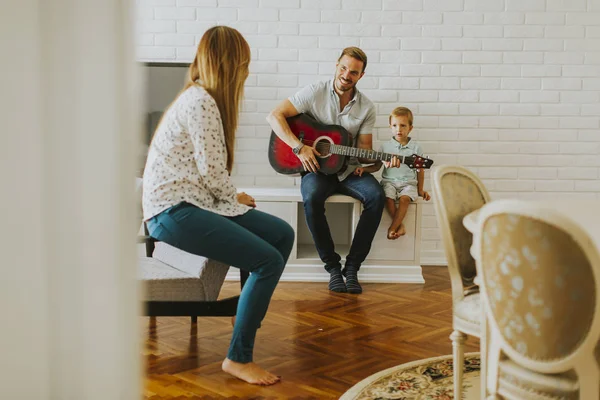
368,154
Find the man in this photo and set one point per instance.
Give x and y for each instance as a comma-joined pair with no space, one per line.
336,102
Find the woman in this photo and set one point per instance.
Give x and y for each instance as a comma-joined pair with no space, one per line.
190,202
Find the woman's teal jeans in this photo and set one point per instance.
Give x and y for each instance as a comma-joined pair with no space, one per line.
255,241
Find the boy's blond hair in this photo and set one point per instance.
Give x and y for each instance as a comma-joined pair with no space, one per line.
401,112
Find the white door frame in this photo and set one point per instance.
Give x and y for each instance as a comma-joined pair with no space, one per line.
69,124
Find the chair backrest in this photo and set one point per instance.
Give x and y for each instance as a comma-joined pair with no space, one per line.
138,197
538,278
456,193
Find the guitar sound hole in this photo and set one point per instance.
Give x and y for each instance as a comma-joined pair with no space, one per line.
323,146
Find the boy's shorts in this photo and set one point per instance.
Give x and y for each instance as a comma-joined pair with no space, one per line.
393,190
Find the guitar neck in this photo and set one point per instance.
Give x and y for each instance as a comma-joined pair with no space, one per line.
368,154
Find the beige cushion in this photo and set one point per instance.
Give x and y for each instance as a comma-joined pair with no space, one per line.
469,308
174,275
189,263
165,283
150,269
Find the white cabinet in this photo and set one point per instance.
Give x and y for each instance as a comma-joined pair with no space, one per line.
388,261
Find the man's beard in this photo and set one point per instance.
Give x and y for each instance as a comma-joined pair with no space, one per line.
346,87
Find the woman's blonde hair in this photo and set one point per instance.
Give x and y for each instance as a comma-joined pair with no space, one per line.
221,67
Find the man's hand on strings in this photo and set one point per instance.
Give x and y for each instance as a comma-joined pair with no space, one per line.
307,156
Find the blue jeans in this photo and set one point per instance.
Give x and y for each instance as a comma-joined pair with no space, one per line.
255,241
316,188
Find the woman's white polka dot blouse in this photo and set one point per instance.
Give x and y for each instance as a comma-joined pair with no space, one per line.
187,159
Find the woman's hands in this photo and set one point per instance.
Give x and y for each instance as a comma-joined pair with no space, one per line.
246,199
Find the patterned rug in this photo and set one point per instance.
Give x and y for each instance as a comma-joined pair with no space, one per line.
428,379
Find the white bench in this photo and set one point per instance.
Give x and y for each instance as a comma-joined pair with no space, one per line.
388,261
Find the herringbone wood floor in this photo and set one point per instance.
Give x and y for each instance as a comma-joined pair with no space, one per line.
321,343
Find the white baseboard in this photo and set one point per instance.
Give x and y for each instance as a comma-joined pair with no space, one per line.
433,257
435,261
368,273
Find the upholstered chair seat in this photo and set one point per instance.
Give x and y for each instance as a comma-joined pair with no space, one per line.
468,309
174,275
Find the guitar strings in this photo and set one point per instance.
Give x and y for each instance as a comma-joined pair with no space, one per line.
325,147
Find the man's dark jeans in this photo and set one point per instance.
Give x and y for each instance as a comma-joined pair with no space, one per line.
316,188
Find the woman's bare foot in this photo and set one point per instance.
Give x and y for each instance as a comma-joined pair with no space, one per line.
249,372
392,234
401,231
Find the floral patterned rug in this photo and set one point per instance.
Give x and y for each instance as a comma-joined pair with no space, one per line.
428,379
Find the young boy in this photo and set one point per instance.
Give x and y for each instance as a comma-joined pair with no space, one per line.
402,184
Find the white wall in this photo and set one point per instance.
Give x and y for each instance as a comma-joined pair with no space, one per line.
509,88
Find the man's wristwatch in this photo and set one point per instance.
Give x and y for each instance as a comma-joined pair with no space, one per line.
297,149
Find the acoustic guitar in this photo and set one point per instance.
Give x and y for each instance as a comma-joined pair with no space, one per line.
333,142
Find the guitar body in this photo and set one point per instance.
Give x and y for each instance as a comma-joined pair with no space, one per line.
284,161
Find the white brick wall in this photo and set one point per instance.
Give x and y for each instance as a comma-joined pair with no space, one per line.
507,88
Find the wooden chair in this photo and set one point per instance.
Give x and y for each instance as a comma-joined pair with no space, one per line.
539,277
457,192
